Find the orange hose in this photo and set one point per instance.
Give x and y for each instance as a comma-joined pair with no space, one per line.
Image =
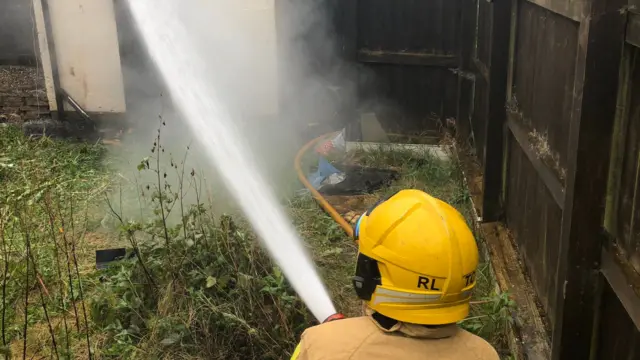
344,224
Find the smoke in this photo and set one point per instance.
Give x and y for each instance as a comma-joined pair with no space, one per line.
277,68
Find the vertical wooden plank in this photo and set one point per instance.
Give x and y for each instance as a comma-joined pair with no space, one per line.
57,111
48,64
348,13
511,73
598,57
450,96
495,125
465,78
513,45
452,11
619,337
617,157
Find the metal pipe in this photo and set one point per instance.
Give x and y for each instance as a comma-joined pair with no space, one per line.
74,104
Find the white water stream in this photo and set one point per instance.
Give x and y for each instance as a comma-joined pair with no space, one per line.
181,63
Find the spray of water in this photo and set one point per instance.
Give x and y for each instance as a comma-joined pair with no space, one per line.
181,65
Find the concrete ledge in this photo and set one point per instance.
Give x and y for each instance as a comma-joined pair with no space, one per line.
442,152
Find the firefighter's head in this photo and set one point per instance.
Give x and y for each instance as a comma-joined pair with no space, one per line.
417,260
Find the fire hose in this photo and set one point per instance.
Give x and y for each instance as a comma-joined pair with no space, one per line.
344,224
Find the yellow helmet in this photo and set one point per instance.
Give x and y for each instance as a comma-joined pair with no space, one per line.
417,260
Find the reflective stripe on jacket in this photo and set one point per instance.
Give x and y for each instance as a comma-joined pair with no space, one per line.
364,338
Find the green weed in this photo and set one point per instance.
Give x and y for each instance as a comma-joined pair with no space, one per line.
47,189
201,288
197,284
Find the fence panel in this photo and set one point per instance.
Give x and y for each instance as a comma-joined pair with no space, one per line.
406,51
623,211
559,114
539,112
619,337
545,60
534,219
619,327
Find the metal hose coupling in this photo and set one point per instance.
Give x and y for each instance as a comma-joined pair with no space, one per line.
336,316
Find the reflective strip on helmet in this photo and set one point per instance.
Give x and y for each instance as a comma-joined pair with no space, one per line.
465,294
382,295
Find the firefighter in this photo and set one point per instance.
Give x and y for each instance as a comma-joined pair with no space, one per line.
415,271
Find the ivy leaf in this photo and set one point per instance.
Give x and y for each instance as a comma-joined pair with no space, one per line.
211,281
170,340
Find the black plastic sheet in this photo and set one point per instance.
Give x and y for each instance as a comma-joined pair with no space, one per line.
360,181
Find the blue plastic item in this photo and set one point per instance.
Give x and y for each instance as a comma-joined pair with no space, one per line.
325,169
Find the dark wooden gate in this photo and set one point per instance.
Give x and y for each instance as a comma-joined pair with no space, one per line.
407,52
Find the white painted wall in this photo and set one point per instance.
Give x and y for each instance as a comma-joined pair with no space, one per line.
86,40
260,22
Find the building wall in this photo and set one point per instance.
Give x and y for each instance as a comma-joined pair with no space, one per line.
86,41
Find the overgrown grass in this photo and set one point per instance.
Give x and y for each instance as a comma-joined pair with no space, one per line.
47,189
202,288
196,288
199,287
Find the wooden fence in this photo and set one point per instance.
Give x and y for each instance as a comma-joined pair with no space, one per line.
404,53
555,161
547,94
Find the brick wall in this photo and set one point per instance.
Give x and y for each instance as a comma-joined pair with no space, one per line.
22,95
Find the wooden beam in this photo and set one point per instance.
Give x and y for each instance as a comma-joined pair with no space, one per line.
407,58
572,9
619,140
618,281
47,55
600,41
349,28
633,30
465,84
492,209
513,41
548,177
